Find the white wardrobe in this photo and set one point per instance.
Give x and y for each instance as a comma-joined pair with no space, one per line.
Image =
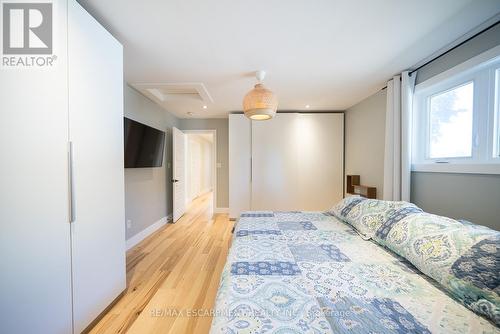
62,239
292,162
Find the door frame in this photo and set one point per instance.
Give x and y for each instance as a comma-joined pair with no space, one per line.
214,160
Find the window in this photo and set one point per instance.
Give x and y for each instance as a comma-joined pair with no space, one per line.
456,118
451,123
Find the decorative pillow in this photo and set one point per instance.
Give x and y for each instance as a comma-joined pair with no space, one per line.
367,215
463,258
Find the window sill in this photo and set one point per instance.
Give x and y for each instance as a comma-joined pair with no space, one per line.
491,168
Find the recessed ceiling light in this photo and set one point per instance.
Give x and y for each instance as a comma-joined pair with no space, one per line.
205,107
307,106
190,113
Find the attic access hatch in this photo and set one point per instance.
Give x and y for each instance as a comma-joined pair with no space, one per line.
171,92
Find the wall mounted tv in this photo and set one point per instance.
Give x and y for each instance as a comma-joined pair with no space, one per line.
143,145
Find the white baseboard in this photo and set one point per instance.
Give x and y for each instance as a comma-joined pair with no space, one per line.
221,210
147,232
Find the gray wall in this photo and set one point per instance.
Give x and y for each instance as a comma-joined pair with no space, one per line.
469,196
473,197
222,147
148,191
365,140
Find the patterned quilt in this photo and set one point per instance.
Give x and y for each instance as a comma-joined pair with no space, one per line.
307,272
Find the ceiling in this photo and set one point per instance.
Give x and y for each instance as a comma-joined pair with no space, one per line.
328,54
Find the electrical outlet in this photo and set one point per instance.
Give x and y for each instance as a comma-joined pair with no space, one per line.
129,223
219,165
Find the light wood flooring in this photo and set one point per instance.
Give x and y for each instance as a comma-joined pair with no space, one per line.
172,274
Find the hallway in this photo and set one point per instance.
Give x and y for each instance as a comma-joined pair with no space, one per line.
172,273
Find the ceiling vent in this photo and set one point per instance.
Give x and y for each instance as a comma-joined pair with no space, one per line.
164,93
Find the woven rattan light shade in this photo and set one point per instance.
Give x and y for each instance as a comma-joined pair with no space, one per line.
260,103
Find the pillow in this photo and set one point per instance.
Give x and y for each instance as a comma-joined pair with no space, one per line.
366,215
463,258
345,205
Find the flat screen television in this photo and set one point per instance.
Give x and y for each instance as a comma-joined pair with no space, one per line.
143,145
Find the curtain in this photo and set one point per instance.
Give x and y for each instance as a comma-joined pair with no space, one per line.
397,159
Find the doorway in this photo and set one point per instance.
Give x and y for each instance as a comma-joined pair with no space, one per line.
195,169
200,168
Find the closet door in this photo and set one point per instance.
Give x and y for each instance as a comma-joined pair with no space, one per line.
35,263
297,162
321,160
275,163
240,156
96,133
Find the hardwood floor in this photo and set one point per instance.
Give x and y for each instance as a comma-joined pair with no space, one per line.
172,274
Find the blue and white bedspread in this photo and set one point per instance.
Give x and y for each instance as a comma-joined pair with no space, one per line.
307,272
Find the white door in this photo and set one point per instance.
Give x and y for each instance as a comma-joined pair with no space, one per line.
96,132
178,171
297,162
320,160
240,157
275,163
35,263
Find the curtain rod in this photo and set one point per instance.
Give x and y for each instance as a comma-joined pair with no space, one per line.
456,46
451,49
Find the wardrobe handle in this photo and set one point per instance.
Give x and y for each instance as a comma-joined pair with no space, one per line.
72,217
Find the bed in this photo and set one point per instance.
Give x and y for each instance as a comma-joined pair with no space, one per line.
309,272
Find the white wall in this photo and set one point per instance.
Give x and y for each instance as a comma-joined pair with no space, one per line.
199,166
207,170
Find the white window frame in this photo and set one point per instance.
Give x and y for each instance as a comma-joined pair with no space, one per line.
485,159
495,127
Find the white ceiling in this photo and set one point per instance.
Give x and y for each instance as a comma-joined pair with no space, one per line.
328,54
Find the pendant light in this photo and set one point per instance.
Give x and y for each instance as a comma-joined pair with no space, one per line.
260,103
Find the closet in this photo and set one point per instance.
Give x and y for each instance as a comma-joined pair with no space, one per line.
62,239
292,162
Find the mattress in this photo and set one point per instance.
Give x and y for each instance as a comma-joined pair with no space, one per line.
308,272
